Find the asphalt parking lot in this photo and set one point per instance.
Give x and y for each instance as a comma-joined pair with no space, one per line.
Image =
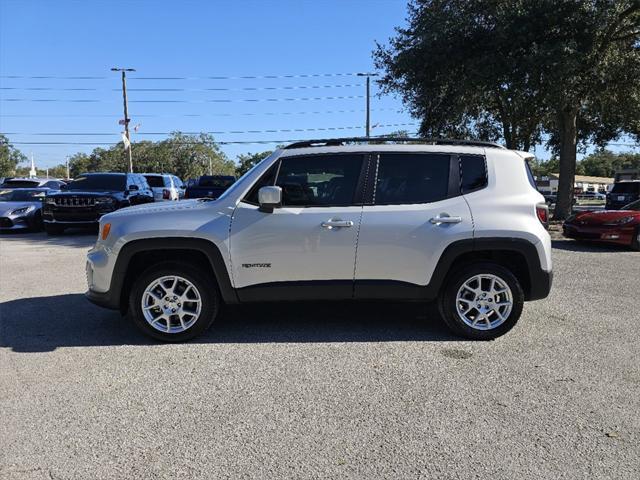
310,391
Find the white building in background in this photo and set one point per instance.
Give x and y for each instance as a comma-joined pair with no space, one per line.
583,183
33,173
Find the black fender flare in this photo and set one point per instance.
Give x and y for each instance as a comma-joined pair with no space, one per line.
112,298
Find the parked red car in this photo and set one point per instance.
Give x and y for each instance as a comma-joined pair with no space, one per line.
612,226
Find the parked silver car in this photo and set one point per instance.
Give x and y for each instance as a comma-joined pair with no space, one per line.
21,208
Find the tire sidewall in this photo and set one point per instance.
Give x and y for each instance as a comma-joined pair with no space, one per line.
447,302
635,241
208,293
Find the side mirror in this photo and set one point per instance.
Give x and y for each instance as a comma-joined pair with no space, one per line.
133,188
269,198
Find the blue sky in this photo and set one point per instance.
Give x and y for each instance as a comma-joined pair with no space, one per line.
192,40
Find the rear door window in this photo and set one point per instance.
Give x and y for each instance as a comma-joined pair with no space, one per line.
155,181
411,178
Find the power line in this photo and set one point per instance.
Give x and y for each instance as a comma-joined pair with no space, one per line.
228,132
208,77
216,100
319,112
212,89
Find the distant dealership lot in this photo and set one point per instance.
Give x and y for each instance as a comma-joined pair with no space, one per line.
323,390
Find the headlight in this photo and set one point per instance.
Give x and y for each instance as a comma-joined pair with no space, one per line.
50,201
620,221
570,218
22,211
104,200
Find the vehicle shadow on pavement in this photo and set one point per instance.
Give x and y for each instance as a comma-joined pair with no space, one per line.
588,247
72,238
43,324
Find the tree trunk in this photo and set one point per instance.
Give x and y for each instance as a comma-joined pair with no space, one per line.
568,146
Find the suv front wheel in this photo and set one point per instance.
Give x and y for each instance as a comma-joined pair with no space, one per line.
173,302
481,301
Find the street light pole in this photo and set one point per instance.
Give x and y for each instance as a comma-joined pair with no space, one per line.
368,95
126,110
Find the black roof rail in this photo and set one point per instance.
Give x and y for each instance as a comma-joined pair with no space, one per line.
330,142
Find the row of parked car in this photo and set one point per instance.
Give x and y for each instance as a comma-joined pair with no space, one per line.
52,204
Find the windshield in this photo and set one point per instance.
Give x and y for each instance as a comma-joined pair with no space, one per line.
21,183
238,183
155,181
633,206
98,182
219,182
626,187
21,195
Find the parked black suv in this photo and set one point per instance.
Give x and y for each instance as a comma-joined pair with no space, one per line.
622,194
209,186
83,201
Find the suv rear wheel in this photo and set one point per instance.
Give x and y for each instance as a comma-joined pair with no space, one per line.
482,301
173,302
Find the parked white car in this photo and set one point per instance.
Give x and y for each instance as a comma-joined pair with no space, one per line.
165,186
459,222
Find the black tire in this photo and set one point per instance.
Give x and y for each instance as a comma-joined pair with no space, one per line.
447,302
36,223
53,229
635,241
206,286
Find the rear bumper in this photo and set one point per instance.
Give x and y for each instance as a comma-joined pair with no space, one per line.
541,283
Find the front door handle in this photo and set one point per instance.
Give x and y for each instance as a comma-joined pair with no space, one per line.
331,224
445,218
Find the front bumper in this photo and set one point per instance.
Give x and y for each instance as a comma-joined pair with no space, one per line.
103,299
619,235
14,223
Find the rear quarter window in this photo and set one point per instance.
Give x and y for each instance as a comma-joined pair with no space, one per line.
474,172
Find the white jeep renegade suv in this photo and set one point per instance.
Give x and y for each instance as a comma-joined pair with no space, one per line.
350,219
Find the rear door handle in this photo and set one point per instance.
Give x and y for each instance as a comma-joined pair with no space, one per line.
330,224
445,218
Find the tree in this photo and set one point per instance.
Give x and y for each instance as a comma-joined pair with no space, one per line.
187,156
604,163
246,161
517,70
454,69
10,157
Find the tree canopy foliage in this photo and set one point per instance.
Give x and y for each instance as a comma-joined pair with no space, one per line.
602,163
10,157
246,161
187,156
525,72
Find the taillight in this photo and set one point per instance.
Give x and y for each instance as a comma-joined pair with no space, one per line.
542,211
166,194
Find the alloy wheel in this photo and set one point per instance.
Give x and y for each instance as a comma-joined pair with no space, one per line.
484,302
171,304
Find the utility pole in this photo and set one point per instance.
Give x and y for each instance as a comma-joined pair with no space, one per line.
67,165
126,110
368,124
